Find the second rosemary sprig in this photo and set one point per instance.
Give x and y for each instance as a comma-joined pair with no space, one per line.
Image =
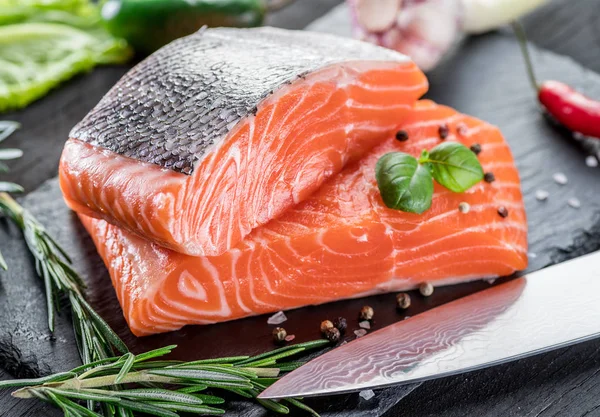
175,386
95,337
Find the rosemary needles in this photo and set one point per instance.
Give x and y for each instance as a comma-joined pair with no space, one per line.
95,338
164,388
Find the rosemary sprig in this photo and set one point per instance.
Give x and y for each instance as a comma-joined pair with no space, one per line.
7,128
95,337
162,388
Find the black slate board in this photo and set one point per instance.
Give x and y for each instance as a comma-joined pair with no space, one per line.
568,27
502,97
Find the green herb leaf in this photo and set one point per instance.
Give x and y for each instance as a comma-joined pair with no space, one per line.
302,406
453,166
36,57
6,154
197,375
93,395
7,128
193,389
154,353
3,265
210,399
37,381
194,409
404,183
147,408
10,187
158,394
288,350
126,367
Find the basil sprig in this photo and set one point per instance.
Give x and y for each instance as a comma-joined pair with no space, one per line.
406,183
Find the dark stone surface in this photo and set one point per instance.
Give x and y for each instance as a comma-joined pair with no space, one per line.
568,27
563,382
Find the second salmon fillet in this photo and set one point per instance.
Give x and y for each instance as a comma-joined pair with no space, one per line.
222,131
342,242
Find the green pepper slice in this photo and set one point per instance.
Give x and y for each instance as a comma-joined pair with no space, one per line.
149,24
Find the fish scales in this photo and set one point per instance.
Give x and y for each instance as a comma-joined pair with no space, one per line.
175,105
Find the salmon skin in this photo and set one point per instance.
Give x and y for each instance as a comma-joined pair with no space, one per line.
342,242
220,132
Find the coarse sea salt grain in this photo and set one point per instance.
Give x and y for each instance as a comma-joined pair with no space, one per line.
364,324
541,195
560,178
574,202
360,332
591,161
367,394
277,318
532,255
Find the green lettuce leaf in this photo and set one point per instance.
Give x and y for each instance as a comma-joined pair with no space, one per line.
46,42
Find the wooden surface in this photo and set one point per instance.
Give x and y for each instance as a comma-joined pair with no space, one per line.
564,382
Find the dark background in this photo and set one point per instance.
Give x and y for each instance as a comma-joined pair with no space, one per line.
560,383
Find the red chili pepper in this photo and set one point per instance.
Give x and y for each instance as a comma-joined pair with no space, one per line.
570,108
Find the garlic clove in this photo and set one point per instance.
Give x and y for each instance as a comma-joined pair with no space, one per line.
377,15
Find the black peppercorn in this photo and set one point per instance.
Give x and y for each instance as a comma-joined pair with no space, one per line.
366,313
403,301
340,324
402,135
279,334
476,148
326,325
444,131
332,334
489,177
502,211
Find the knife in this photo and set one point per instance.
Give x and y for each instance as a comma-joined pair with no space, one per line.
544,310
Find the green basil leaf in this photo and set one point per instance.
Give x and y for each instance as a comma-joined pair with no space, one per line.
453,166
404,184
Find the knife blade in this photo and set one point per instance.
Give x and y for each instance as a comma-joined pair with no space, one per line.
544,310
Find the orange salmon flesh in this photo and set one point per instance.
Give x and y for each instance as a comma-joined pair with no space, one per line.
341,242
301,135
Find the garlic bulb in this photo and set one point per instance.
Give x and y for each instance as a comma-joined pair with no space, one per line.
426,30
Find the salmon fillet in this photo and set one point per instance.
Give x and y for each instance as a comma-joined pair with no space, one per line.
222,131
341,242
